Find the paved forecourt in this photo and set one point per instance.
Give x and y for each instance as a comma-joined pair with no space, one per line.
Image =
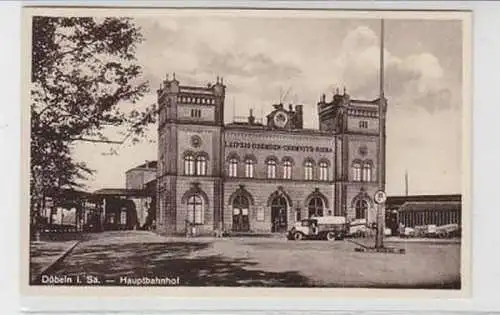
251,261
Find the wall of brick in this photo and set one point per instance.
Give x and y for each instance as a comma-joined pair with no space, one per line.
261,192
210,137
366,192
184,186
354,126
207,112
371,145
137,178
273,138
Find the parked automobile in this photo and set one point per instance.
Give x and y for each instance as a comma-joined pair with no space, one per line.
448,230
324,228
358,228
408,232
432,231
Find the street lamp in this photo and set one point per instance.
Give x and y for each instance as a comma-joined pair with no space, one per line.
380,194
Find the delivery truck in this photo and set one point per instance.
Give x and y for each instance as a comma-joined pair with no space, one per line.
323,228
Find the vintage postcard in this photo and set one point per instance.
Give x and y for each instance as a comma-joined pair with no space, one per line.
221,152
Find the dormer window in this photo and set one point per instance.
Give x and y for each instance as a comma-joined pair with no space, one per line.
363,124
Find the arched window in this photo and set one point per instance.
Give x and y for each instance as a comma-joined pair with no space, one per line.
316,207
188,164
367,172
249,163
323,170
308,170
201,165
356,171
233,167
271,168
361,209
287,169
195,209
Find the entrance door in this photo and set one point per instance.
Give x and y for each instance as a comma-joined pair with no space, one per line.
241,223
279,215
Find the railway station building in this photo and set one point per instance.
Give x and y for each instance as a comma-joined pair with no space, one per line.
262,176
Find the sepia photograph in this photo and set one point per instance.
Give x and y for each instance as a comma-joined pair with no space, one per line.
246,148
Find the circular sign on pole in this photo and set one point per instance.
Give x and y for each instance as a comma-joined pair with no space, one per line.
380,197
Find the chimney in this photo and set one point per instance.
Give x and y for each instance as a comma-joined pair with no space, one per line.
299,119
290,108
251,118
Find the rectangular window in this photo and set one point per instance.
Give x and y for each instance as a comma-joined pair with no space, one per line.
249,169
189,165
308,173
233,168
356,172
363,124
196,113
287,170
323,172
271,170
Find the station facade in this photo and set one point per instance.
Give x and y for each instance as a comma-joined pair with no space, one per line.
252,176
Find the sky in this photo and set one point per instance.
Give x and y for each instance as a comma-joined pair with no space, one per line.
260,58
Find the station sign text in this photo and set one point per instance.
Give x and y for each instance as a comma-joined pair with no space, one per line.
276,147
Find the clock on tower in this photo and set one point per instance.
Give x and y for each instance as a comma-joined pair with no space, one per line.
280,119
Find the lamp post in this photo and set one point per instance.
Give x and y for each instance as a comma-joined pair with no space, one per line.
380,195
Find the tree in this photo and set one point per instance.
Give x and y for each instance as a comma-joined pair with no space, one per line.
84,78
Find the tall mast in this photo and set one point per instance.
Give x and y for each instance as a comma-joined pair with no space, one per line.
382,112
406,182
379,236
381,71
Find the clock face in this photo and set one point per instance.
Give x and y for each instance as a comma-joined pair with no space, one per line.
195,141
280,119
363,151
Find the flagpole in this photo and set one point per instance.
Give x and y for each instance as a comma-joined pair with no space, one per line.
379,237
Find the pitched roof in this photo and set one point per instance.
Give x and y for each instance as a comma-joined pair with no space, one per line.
429,205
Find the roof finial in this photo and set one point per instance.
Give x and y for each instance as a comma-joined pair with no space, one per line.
345,90
221,80
217,79
174,75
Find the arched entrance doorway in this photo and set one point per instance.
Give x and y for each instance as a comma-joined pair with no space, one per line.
361,207
241,223
279,210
